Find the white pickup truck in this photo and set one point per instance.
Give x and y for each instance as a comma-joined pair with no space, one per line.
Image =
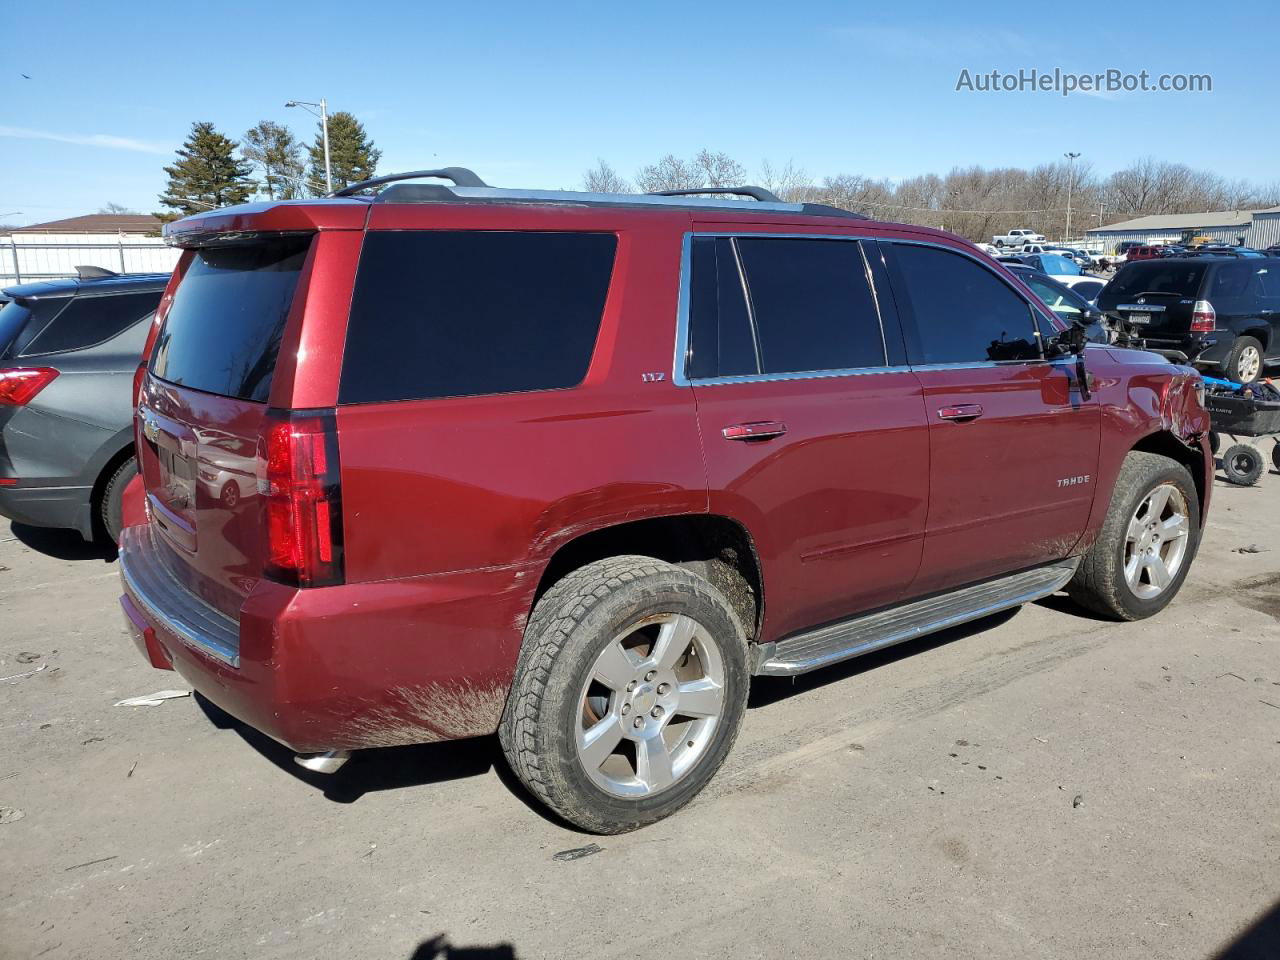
1016,238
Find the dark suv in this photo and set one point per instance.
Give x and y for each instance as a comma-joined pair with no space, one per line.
1222,313
574,467
68,352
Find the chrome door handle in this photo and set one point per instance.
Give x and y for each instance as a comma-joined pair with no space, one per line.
762,430
960,411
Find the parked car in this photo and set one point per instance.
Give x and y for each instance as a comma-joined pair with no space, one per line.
1069,306
1053,264
1085,286
1174,250
1016,238
1146,252
1224,313
575,467
68,352
1223,250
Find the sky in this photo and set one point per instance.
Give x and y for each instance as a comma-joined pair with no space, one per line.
531,95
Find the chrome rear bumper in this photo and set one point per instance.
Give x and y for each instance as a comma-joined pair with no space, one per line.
174,608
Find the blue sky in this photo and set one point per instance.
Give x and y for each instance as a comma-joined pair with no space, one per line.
532,94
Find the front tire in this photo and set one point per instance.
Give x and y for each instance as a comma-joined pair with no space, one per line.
1147,542
630,689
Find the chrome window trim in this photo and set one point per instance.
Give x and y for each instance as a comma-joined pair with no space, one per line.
680,359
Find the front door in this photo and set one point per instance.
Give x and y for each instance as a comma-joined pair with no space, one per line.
813,429
1013,443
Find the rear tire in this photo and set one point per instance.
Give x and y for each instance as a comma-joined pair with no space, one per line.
1242,464
1147,543
111,506
613,654
1275,456
1244,362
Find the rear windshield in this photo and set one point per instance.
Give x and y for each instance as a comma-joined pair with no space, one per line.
1175,277
222,333
443,313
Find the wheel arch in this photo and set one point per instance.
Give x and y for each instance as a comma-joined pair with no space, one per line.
1165,444
716,547
1261,334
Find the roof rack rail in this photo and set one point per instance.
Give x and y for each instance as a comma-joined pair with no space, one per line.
755,193
461,177
826,210
85,272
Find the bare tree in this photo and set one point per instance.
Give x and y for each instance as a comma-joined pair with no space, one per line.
788,182
112,207
670,173
719,169
602,178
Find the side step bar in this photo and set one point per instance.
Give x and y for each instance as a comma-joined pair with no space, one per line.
874,631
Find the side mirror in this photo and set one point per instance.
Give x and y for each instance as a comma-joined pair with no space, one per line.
1074,339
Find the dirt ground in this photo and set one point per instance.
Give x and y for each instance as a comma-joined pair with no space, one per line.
1040,784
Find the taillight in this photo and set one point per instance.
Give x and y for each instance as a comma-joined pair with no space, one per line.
19,385
298,454
1203,317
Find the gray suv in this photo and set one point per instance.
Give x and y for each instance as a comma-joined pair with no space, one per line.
68,353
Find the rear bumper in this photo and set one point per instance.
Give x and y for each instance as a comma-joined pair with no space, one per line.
49,506
339,668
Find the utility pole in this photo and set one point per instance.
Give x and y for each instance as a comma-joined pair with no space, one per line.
1071,170
324,133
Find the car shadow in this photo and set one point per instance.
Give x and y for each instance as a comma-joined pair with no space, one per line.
394,768
439,948
62,544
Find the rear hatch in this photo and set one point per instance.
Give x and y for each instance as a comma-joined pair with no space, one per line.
203,410
21,319
1157,297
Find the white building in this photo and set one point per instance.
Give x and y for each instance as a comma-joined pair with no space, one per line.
124,243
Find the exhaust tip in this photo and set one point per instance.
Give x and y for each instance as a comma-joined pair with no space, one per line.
330,761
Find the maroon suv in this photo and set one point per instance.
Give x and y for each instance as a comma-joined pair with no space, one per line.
450,460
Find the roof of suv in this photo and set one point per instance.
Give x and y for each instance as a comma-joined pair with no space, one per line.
344,209
95,285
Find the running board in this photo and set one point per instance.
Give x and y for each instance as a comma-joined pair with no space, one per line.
874,631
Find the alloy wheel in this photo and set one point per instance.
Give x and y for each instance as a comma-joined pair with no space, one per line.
650,706
1249,365
1156,541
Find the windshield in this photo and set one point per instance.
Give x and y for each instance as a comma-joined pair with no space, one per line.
1176,277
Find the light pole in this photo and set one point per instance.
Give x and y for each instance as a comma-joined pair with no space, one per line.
324,133
1071,170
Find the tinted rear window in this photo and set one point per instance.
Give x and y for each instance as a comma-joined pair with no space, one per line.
442,313
222,333
1175,277
88,321
21,320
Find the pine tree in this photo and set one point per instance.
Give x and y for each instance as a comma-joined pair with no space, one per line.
206,175
352,155
271,148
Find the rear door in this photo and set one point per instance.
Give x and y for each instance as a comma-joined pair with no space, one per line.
1013,444
813,429
202,409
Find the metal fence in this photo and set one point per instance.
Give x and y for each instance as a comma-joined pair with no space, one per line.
22,262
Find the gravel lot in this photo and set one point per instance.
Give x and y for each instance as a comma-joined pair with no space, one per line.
1040,784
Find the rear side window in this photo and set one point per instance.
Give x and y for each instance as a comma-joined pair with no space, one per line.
780,305
88,321
721,340
222,333
21,320
441,313
962,312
